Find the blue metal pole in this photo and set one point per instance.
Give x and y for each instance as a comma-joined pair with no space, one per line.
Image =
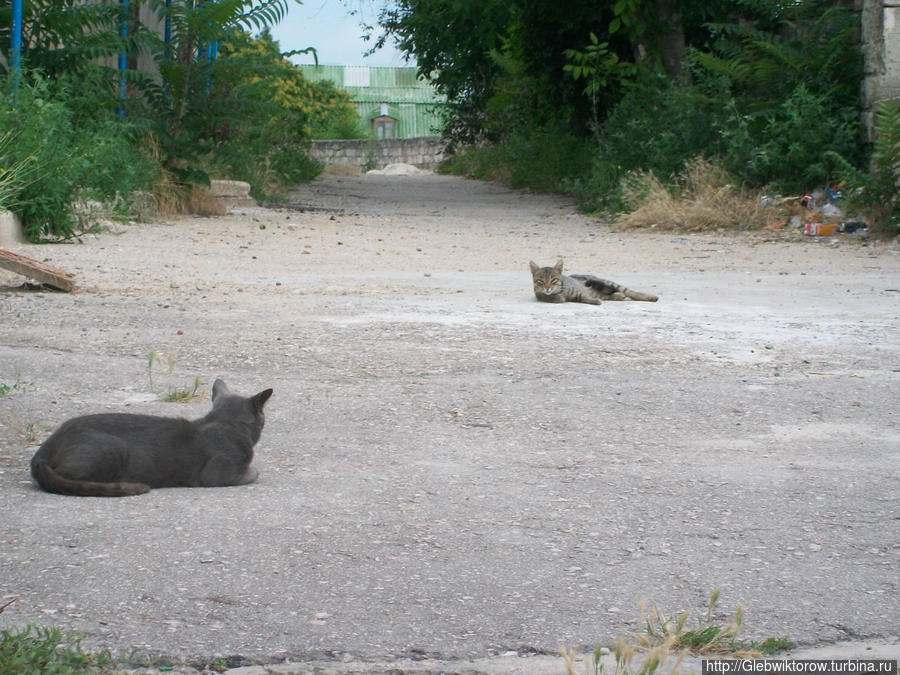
15,45
167,37
167,30
123,59
212,53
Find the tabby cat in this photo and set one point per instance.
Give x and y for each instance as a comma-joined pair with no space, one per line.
551,285
118,454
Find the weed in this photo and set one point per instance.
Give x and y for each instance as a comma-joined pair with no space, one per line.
29,431
219,665
139,659
371,156
171,395
37,649
24,426
773,645
707,638
668,637
179,395
18,385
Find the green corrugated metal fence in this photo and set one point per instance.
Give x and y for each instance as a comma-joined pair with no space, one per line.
414,105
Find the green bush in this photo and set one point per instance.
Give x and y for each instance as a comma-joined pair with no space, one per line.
486,162
546,159
15,171
267,114
43,136
785,149
344,125
69,161
656,127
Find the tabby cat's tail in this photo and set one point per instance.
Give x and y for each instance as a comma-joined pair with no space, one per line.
51,481
611,287
637,295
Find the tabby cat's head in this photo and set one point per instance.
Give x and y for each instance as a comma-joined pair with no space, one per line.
547,280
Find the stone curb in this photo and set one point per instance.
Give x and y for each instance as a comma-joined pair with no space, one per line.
510,664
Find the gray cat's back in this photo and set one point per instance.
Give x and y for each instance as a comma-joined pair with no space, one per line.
121,454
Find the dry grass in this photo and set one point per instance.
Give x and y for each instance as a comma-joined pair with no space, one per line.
201,201
705,199
169,197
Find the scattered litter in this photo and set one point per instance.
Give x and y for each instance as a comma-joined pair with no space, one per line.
853,226
815,214
819,229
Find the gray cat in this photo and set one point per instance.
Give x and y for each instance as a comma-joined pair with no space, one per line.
118,454
551,285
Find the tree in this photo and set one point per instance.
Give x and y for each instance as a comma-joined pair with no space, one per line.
473,49
778,79
266,143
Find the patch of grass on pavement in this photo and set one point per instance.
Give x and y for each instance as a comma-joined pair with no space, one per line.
669,639
37,649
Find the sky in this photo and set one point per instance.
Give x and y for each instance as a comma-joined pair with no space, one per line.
337,36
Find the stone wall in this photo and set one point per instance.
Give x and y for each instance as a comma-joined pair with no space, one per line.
422,153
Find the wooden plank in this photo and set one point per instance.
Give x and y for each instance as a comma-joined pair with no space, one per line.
37,271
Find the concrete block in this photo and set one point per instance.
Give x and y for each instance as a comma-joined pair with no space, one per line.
232,193
10,229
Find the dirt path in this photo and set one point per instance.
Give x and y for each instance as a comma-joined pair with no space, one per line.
450,468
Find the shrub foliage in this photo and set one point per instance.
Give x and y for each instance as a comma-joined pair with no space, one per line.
220,103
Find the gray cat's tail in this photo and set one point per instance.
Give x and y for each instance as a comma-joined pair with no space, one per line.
51,481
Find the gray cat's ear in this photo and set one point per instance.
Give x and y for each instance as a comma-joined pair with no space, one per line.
558,266
260,399
219,389
534,267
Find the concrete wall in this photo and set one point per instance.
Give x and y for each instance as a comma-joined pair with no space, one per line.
422,153
880,33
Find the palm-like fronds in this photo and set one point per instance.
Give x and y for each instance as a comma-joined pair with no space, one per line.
886,155
205,21
876,192
779,46
66,36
